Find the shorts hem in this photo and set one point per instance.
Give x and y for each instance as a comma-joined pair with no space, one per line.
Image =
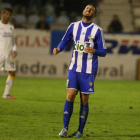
9,70
87,92
72,88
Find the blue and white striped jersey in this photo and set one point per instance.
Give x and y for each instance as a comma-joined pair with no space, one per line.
92,36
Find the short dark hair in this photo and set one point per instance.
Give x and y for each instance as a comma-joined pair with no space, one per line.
7,9
93,6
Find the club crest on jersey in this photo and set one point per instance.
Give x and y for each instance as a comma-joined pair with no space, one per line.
10,28
89,37
80,46
90,83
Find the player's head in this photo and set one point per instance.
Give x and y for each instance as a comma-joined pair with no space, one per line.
6,13
90,11
7,9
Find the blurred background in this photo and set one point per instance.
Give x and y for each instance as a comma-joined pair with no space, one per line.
41,24
60,12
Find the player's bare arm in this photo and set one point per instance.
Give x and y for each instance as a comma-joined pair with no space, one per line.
89,49
14,53
56,51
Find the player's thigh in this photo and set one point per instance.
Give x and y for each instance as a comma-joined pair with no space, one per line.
10,65
72,82
86,82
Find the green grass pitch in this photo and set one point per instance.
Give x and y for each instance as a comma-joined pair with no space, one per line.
114,110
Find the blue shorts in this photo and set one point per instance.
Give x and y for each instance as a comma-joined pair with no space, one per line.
81,81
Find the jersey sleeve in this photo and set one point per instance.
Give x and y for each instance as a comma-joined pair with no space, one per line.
101,53
66,38
99,40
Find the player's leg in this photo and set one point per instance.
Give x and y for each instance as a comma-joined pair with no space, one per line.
84,109
86,83
68,106
11,67
67,111
9,83
84,97
83,114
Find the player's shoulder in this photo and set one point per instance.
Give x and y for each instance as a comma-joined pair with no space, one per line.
7,25
10,25
98,27
76,22
72,24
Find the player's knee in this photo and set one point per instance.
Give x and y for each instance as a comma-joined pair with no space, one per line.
12,73
71,94
71,97
84,99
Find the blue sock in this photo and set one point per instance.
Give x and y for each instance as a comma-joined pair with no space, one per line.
83,117
67,112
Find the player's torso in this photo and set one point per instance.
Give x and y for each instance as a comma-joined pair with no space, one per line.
6,31
83,37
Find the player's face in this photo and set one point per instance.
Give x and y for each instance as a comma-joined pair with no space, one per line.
89,11
6,16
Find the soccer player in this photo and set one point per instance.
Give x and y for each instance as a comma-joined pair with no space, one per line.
89,43
7,50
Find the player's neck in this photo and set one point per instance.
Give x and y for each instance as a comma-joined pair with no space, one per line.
4,22
86,20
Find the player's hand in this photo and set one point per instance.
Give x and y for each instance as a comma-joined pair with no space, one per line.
56,51
14,53
89,49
